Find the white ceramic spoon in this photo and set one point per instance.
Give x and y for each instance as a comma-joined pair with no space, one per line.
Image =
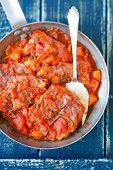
75,86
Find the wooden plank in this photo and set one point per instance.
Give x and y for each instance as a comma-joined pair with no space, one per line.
92,23
109,120
4,24
9,148
49,164
31,9
88,147
50,10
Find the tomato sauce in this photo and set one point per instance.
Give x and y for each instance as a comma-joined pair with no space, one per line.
33,74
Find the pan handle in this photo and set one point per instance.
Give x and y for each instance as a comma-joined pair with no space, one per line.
14,13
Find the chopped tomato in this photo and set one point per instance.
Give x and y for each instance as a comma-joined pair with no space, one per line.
93,86
61,127
84,71
16,55
56,48
20,123
88,58
80,51
92,99
96,75
23,42
49,60
35,134
28,49
9,50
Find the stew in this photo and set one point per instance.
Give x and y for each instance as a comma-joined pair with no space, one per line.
33,75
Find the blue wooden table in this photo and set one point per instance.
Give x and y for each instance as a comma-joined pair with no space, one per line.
95,151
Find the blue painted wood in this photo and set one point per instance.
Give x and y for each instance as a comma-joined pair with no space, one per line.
50,10
49,164
4,24
89,147
109,120
92,18
92,23
11,149
31,9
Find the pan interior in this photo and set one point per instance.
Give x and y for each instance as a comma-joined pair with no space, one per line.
98,108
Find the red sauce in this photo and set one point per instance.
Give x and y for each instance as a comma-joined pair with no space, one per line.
32,85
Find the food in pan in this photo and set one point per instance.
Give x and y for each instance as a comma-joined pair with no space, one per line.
33,74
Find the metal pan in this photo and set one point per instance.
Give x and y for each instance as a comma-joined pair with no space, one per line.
16,19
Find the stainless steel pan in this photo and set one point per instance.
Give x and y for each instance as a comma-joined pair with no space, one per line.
20,26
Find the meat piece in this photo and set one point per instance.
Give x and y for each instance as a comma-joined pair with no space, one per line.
60,36
32,65
60,73
6,70
13,54
5,74
17,120
35,121
20,123
48,46
21,68
63,72
59,103
3,102
84,70
22,89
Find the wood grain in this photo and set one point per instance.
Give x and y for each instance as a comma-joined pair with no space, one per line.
50,10
49,164
109,117
11,149
92,23
31,9
4,24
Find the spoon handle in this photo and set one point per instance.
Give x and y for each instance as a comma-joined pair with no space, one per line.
73,19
